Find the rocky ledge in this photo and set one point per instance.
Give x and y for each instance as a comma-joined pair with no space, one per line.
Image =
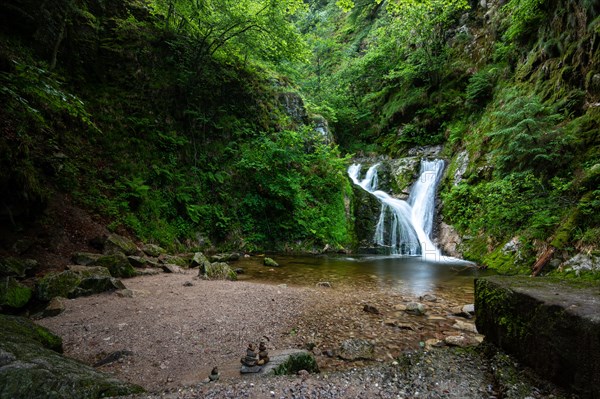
552,327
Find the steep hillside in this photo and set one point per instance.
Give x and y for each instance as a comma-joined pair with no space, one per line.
168,120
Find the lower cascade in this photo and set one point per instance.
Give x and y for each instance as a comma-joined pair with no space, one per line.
405,226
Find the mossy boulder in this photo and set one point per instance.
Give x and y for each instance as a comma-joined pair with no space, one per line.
14,294
153,250
117,264
270,262
116,244
175,260
199,260
16,267
218,271
75,282
56,284
32,367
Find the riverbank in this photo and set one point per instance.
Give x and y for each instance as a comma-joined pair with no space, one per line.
166,332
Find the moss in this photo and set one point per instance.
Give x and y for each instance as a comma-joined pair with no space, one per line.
21,329
56,284
297,362
117,264
13,293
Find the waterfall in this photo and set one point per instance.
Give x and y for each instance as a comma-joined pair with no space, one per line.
405,226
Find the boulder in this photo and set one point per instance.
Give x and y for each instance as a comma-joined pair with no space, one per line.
15,267
13,294
218,271
137,261
55,307
357,349
115,244
117,264
85,258
171,268
175,260
76,281
153,250
270,262
415,308
31,367
552,327
56,284
199,260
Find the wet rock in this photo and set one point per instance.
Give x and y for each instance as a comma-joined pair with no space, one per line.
218,271
15,267
153,250
449,240
119,244
13,294
214,374
370,309
270,262
429,298
415,308
357,349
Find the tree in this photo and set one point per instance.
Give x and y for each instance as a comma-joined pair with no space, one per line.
235,28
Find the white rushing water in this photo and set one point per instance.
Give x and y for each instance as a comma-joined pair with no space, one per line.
405,226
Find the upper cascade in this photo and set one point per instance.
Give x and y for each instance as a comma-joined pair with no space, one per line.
405,226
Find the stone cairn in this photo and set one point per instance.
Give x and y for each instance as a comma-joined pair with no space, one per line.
251,363
214,374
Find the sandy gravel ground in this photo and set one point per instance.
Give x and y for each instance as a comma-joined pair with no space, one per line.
175,328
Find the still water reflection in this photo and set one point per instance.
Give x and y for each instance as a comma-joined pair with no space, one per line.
410,275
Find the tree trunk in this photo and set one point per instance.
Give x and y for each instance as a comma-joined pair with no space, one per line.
542,260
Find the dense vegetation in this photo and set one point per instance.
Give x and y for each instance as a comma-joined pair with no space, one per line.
170,118
183,121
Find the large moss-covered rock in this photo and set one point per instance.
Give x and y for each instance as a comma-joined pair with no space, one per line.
199,260
117,264
13,294
153,250
56,284
31,367
553,327
16,267
175,260
77,281
218,271
366,214
115,243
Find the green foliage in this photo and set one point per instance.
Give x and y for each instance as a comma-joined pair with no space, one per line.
527,136
524,16
517,204
304,201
